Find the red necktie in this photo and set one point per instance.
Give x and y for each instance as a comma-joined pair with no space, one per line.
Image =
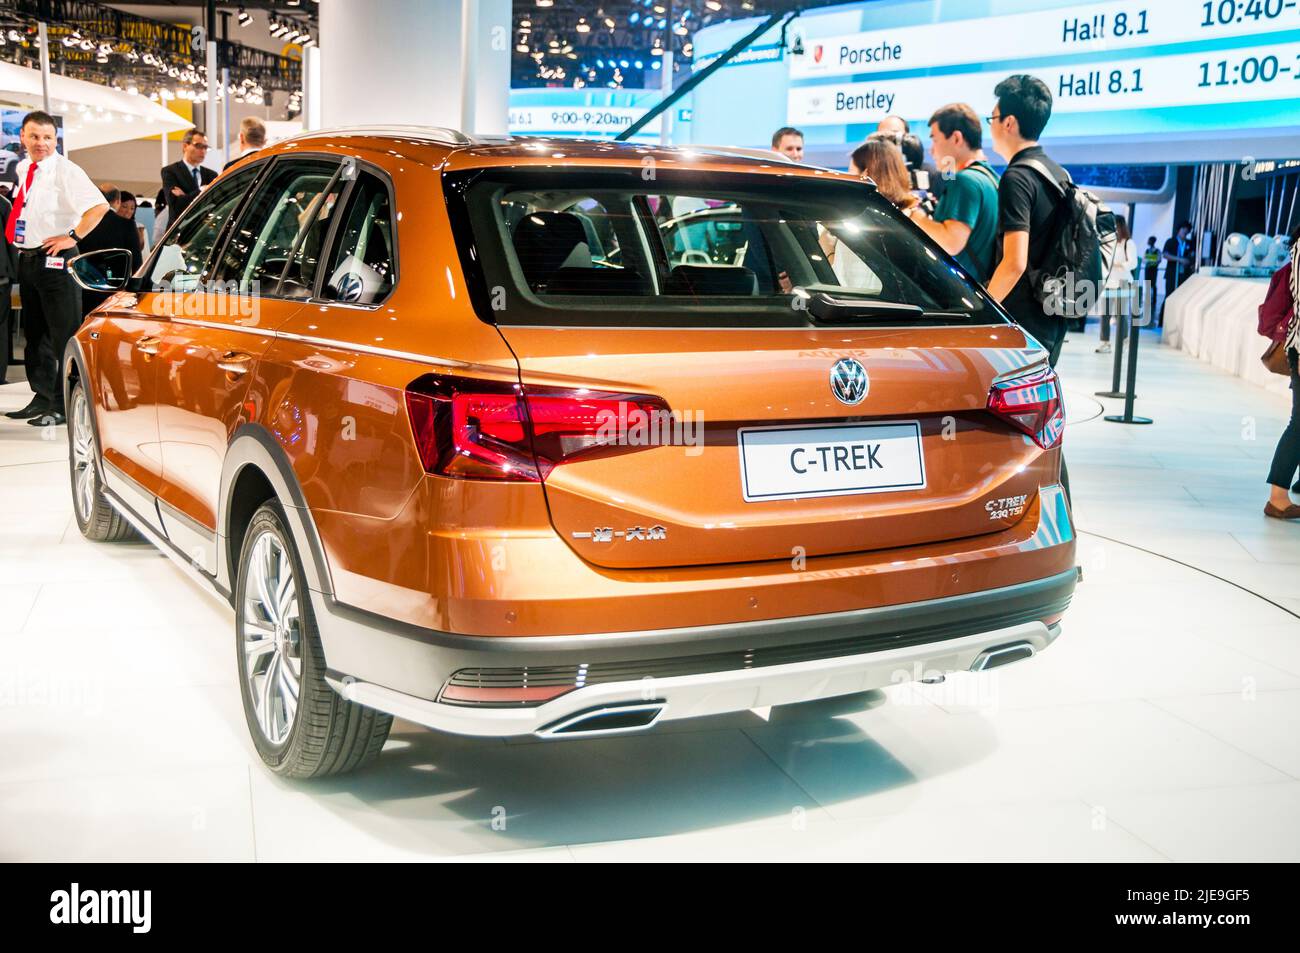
17,212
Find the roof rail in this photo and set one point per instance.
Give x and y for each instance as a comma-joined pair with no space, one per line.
438,134
741,152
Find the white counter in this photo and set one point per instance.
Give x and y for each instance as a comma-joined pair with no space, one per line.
1214,318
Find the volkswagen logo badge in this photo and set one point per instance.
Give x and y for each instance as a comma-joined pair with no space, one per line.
849,381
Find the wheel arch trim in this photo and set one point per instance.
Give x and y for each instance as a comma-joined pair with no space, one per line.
253,445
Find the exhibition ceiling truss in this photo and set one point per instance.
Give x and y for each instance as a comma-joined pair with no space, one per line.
100,44
619,43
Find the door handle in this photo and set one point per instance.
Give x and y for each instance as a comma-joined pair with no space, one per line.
148,345
235,362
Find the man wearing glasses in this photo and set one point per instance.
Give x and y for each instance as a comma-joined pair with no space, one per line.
1026,204
182,181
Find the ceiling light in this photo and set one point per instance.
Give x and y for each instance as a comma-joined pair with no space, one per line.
583,26
245,18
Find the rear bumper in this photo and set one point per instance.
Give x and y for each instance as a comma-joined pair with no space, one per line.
711,669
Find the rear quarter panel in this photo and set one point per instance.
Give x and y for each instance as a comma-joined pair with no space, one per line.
335,382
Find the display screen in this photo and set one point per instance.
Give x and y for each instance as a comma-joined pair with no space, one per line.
1119,56
585,113
1144,70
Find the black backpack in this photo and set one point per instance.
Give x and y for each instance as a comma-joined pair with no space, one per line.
1067,278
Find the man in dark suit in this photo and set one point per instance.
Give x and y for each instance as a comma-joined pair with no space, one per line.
113,231
182,181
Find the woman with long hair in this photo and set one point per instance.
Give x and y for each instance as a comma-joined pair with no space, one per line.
882,161
1287,455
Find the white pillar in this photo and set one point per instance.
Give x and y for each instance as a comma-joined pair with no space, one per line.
44,38
311,96
211,118
469,49
404,61
226,151
666,90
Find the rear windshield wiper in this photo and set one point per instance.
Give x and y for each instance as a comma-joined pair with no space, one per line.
831,310
828,309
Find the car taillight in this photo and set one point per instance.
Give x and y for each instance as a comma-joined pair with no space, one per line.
493,430
1032,403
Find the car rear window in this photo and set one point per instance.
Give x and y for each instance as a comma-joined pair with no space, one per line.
577,247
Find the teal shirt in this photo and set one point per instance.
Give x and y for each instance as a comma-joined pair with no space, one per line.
972,199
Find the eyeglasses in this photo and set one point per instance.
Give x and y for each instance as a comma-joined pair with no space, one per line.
198,145
993,119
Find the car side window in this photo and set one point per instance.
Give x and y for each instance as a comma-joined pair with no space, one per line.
282,231
180,262
364,265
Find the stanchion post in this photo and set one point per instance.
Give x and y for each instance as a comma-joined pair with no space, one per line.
1122,326
1131,388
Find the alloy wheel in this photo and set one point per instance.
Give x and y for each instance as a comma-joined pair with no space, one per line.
272,638
83,457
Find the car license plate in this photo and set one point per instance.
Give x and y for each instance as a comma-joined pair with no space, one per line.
787,463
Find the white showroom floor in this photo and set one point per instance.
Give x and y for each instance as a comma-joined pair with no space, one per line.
1165,725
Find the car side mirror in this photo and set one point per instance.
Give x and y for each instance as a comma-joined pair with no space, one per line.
106,270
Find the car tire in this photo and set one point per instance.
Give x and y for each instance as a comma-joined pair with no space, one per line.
300,726
96,517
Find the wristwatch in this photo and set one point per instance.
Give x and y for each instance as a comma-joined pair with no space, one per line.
72,233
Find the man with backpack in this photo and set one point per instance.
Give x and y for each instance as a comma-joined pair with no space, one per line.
1054,239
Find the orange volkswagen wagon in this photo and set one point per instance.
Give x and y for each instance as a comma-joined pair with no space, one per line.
542,437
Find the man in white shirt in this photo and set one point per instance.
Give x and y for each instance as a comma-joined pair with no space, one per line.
54,206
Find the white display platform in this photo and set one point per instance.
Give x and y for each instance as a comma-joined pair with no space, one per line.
1214,318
